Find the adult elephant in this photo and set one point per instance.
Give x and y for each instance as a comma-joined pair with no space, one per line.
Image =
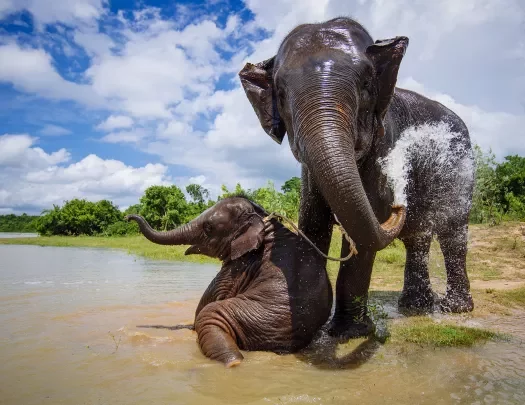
272,292
331,88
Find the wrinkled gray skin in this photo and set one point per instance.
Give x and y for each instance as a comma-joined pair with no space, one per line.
332,90
272,292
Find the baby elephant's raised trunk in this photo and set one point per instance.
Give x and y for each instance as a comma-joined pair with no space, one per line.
186,234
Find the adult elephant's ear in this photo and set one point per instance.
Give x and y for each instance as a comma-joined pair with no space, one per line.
250,239
258,86
386,55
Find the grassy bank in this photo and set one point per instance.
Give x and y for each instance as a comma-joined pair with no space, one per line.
425,331
496,255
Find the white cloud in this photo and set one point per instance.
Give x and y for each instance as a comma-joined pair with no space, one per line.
159,67
197,179
235,148
51,11
427,22
115,122
17,151
133,136
150,73
54,130
94,43
172,129
31,70
34,179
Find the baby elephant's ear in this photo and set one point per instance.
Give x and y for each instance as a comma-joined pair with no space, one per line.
249,240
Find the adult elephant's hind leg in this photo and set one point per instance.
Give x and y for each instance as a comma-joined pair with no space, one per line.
453,244
216,336
417,295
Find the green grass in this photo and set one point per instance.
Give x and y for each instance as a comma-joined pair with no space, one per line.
515,297
424,331
132,244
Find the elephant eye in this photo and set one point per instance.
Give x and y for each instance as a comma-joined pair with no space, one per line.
207,228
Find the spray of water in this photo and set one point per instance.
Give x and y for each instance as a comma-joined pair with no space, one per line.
438,164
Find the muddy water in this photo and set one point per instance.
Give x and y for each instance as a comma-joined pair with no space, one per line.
69,335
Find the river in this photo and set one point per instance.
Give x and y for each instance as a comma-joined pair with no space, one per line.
69,335
4,235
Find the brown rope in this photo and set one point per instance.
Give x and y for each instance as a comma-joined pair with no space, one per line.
353,249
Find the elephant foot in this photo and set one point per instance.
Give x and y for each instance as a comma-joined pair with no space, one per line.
350,329
457,302
228,359
416,301
233,363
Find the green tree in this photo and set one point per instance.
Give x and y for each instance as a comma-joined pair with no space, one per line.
486,206
122,228
198,202
133,209
510,176
293,184
17,223
239,191
106,214
78,217
164,207
51,222
269,198
197,193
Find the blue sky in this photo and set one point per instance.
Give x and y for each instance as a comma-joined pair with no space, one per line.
102,99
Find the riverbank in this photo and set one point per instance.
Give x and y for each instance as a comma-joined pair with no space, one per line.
496,256
496,268
137,245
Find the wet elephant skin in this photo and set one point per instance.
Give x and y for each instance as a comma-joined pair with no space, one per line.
272,292
332,89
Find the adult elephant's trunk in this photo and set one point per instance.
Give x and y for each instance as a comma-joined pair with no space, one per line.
184,235
326,134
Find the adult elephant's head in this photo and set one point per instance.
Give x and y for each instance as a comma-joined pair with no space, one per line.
228,230
328,88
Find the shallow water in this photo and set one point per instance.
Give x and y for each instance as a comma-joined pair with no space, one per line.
5,235
69,336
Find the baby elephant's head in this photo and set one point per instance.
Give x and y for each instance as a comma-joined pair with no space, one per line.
229,229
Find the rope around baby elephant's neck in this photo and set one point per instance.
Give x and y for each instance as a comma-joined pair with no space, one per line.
353,249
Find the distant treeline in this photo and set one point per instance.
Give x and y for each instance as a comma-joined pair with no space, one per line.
500,189
164,207
499,195
17,223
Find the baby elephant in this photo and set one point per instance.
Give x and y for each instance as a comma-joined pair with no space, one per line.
272,292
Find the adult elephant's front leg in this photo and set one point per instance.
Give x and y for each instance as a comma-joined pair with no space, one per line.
351,318
315,216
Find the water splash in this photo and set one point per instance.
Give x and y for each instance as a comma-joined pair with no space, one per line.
439,163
